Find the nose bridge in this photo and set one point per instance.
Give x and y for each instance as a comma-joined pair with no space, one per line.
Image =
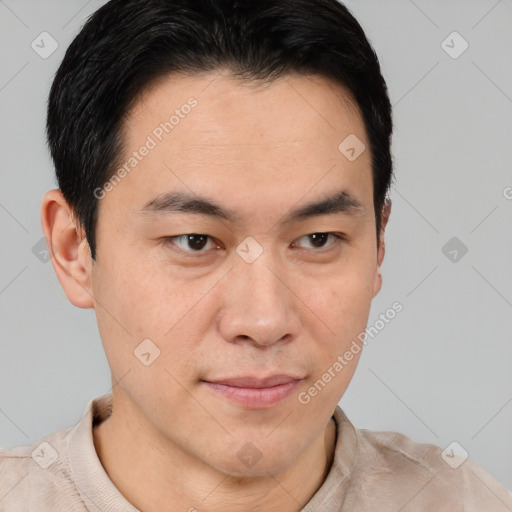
260,305
263,286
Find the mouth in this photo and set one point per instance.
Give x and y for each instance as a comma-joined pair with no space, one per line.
254,392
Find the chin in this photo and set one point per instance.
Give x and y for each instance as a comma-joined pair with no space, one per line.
248,461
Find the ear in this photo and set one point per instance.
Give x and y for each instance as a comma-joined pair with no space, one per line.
381,249
68,248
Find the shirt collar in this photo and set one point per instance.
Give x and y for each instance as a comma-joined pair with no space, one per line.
91,480
100,494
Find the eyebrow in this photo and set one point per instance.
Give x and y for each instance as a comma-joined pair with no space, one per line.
342,202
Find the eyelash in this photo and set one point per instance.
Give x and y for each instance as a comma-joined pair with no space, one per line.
338,236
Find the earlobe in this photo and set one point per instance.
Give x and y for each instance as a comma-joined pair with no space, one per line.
377,283
69,250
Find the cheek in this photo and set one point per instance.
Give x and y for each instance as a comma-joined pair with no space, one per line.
144,295
336,349
341,306
149,304
341,299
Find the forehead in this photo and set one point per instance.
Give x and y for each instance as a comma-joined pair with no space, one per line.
214,134
225,101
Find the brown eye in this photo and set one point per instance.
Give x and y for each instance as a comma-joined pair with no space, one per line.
191,242
317,240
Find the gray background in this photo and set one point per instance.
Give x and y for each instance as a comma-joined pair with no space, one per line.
440,371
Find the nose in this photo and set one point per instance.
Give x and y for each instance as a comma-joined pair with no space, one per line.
260,306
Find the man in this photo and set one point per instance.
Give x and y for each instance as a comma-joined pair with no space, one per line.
223,171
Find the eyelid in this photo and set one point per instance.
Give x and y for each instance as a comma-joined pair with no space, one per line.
340,237
168,240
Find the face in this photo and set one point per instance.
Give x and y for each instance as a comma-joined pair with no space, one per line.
210,250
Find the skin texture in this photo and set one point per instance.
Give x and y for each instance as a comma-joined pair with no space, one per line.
171,443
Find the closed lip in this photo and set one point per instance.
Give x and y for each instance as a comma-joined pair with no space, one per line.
256,382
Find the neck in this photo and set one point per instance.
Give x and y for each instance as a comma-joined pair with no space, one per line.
156,475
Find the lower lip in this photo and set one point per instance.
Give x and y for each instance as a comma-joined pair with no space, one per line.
255,398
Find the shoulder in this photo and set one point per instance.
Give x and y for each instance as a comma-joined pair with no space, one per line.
426,477
36,477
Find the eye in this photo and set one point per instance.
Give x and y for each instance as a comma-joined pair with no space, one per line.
192,242
319,240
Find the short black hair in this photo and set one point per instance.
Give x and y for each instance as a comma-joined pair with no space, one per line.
127,44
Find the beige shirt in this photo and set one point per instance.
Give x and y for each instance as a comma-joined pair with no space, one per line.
371,472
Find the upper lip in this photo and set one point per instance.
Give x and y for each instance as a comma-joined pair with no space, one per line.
256,382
